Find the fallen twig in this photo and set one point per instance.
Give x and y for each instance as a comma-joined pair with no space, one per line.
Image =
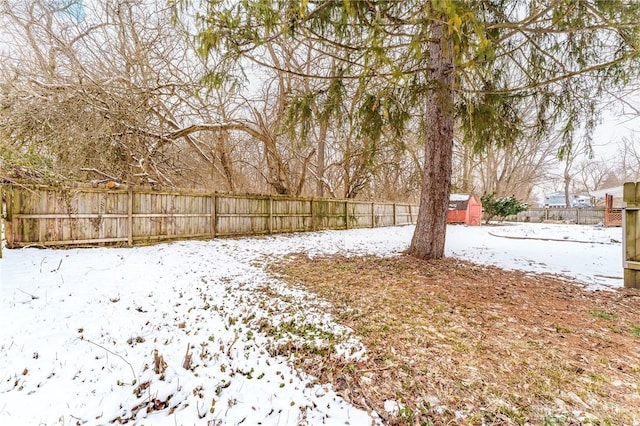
33,296
113,353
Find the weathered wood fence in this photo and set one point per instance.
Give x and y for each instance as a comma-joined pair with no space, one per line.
631,234
49,216
583,216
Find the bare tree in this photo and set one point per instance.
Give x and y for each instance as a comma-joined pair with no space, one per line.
595,174
117,94
508,169
108,96
628,160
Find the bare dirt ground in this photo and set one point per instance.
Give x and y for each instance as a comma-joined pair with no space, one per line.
458,343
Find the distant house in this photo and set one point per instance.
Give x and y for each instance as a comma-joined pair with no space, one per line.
557,200
464,208
581,201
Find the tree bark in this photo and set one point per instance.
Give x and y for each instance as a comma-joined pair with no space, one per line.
568,163
320,166
567,185
429,236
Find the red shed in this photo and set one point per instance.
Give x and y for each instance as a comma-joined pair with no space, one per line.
464,208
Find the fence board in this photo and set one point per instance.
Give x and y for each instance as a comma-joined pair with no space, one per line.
54,215
330,214
49,216
291,215
384,215
242,216
360,214
405,215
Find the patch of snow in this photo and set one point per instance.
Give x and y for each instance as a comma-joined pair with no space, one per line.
591,255
393,407
80,326
459,197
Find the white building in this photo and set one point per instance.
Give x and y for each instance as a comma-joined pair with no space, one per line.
557,200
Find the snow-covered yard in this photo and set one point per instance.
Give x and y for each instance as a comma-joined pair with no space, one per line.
92,336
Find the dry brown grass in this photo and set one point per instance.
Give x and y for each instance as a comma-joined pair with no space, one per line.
459,343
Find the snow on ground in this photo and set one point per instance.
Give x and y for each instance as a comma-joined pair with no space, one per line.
591,255
80,326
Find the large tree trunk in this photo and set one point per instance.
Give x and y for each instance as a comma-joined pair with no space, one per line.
429,236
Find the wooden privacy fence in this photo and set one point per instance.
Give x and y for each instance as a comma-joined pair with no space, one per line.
583,216
631,234
49,216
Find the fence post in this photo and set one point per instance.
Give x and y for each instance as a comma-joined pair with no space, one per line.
8,219
630,234
213,215
313,216
346,214
130,216
270,207
373,215
394,215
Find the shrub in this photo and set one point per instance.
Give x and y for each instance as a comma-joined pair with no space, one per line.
500,207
